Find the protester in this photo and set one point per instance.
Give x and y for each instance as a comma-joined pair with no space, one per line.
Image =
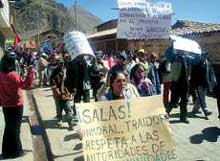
139,79
217,88
119,88
131,62
42,67
78,78
200,82
120,66
98,74
61,94
153,73
52,63
11,98
179,76
142,57
110,61
164,70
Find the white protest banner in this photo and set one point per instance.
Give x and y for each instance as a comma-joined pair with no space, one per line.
184,44
141,19
125,130
77,44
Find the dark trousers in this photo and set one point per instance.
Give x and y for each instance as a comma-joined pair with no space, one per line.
217,92
179,92
11,146
79,94
64,105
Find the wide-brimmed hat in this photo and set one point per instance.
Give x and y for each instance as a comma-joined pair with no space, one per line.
141,51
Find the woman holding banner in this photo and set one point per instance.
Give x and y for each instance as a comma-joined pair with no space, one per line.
119,89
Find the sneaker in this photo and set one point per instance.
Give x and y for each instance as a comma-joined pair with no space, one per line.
59,123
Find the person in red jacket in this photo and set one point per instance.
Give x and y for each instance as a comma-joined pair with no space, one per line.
11,85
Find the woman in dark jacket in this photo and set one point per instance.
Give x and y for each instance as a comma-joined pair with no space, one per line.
11,98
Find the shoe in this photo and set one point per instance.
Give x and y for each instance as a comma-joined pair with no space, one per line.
21,154
207,113
71,125
75,118
176,106
186,121
59,123
196,112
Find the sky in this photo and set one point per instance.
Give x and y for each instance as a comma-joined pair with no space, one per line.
195,10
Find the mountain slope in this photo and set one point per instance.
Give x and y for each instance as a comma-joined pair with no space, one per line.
86,20
46,14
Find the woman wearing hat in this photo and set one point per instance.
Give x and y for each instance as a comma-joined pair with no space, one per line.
11,85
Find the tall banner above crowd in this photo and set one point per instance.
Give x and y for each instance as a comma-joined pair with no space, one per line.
77,44
142,19
125,130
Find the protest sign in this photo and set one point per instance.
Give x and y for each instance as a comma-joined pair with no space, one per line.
126,130
184,44
141,19
77,44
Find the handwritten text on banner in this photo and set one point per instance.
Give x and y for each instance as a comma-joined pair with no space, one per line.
125,130
141,19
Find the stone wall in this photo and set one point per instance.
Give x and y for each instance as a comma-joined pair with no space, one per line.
210,42
157,46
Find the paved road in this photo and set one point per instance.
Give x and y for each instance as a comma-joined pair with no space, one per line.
197,141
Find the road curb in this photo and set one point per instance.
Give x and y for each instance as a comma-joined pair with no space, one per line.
42,150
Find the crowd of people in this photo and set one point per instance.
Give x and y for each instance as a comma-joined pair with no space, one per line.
138,74
127,75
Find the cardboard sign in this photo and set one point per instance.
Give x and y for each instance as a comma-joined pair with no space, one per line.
184,44
141,19
125,130
77,44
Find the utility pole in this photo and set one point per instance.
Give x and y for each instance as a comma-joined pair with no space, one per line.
38,29
76,14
